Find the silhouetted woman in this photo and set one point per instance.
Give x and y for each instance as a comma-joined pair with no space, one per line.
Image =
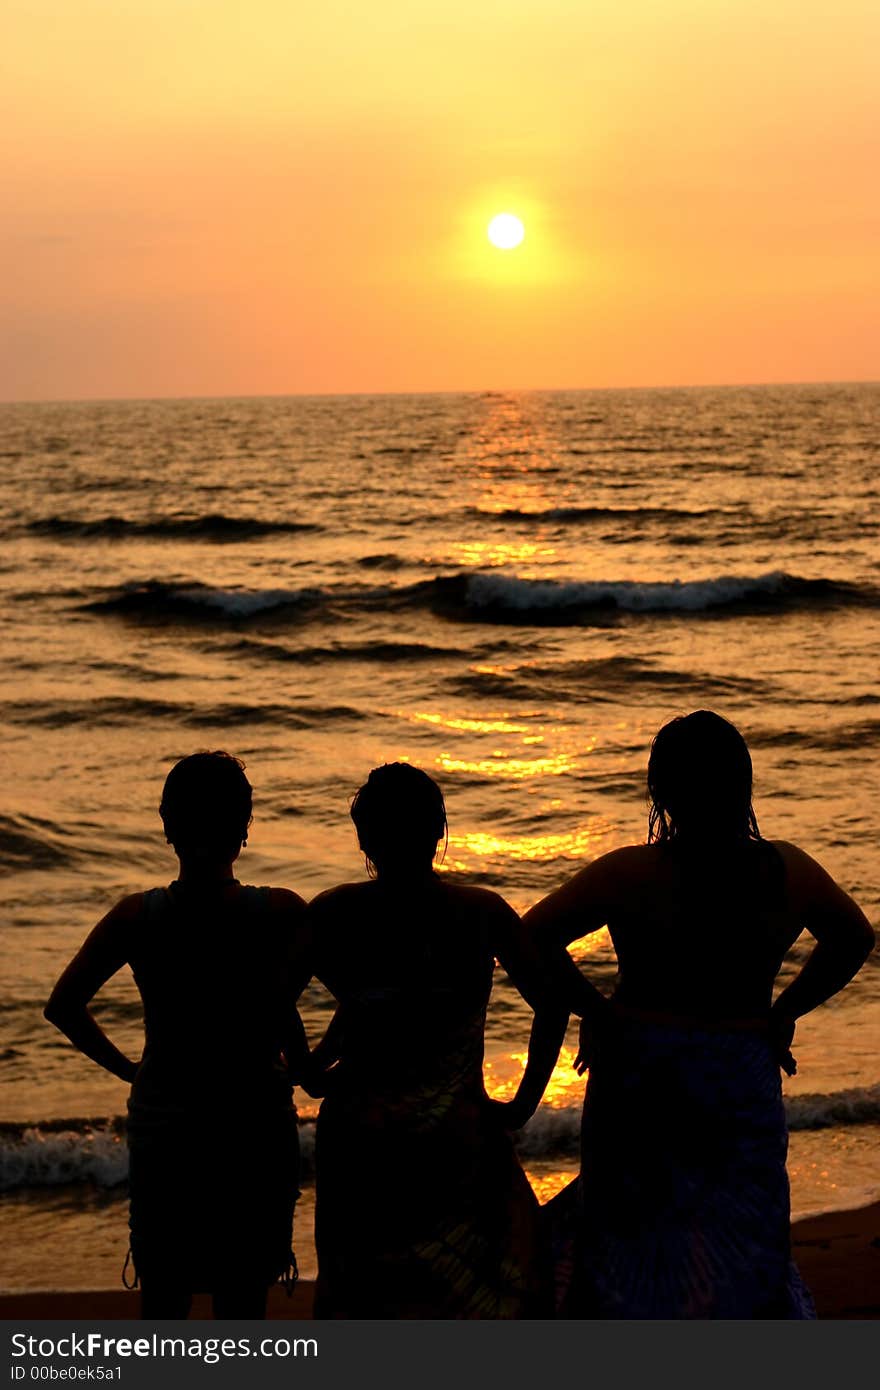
211,1129
422,1207
682,1208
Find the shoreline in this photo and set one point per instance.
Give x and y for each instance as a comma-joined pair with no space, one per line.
838,1254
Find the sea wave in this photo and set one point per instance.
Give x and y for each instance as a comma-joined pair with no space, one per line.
212,526
834,738
65,1152
121,710
102,711
60,1152
163,600
604,678
688,526
513,599
380,652
635,515
27,842
476,596
40,1156
555,1131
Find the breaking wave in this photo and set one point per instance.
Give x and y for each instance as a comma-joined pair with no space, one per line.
491,597
62,1152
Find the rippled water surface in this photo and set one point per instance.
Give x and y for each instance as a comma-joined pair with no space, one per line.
513,591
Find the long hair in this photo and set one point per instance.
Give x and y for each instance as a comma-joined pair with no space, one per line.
400,817
700,781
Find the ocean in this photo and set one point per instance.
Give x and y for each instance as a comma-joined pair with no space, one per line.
511,590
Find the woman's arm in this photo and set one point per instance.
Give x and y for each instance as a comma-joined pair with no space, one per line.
329,1049
577,909
545,1040
104,951
844,936
316,1072
548,1025
299,966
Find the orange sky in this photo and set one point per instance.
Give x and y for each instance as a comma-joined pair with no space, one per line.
204,197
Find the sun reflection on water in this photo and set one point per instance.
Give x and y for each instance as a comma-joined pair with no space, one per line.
503,762
477,726
515,768
546,1184
512,460
502,1074
580,843
583,842
598,943
491,554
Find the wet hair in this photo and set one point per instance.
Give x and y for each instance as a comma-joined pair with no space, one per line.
206,805
400,817
700,781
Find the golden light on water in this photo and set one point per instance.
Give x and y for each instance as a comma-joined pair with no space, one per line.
501,763
585,841
476,726
491,554
517,769
506,762
546,1184
502,1075
597,943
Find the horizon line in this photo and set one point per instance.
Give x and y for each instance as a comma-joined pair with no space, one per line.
436,391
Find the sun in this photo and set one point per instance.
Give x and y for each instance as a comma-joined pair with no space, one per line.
505,231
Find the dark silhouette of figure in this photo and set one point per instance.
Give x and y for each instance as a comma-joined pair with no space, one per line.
422,1207
682,1206
211,1128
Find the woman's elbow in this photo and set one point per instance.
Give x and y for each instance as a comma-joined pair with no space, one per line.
58,1011
867,941
52,1012
854,947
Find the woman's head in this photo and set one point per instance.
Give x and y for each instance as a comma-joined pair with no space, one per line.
700,781
206,806
400,818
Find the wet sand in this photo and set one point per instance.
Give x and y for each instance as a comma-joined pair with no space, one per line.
838,1254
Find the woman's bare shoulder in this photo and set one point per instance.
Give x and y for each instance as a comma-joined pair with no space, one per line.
343,898
286,903
625,865
483,902
809,886
632,857
801,869
117,924
127,909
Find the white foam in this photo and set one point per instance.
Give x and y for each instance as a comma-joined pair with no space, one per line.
556,1131
685,595
52,1158
858,1106
243,603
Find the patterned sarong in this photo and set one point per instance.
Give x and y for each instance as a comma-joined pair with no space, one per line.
682,1206
423,1210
